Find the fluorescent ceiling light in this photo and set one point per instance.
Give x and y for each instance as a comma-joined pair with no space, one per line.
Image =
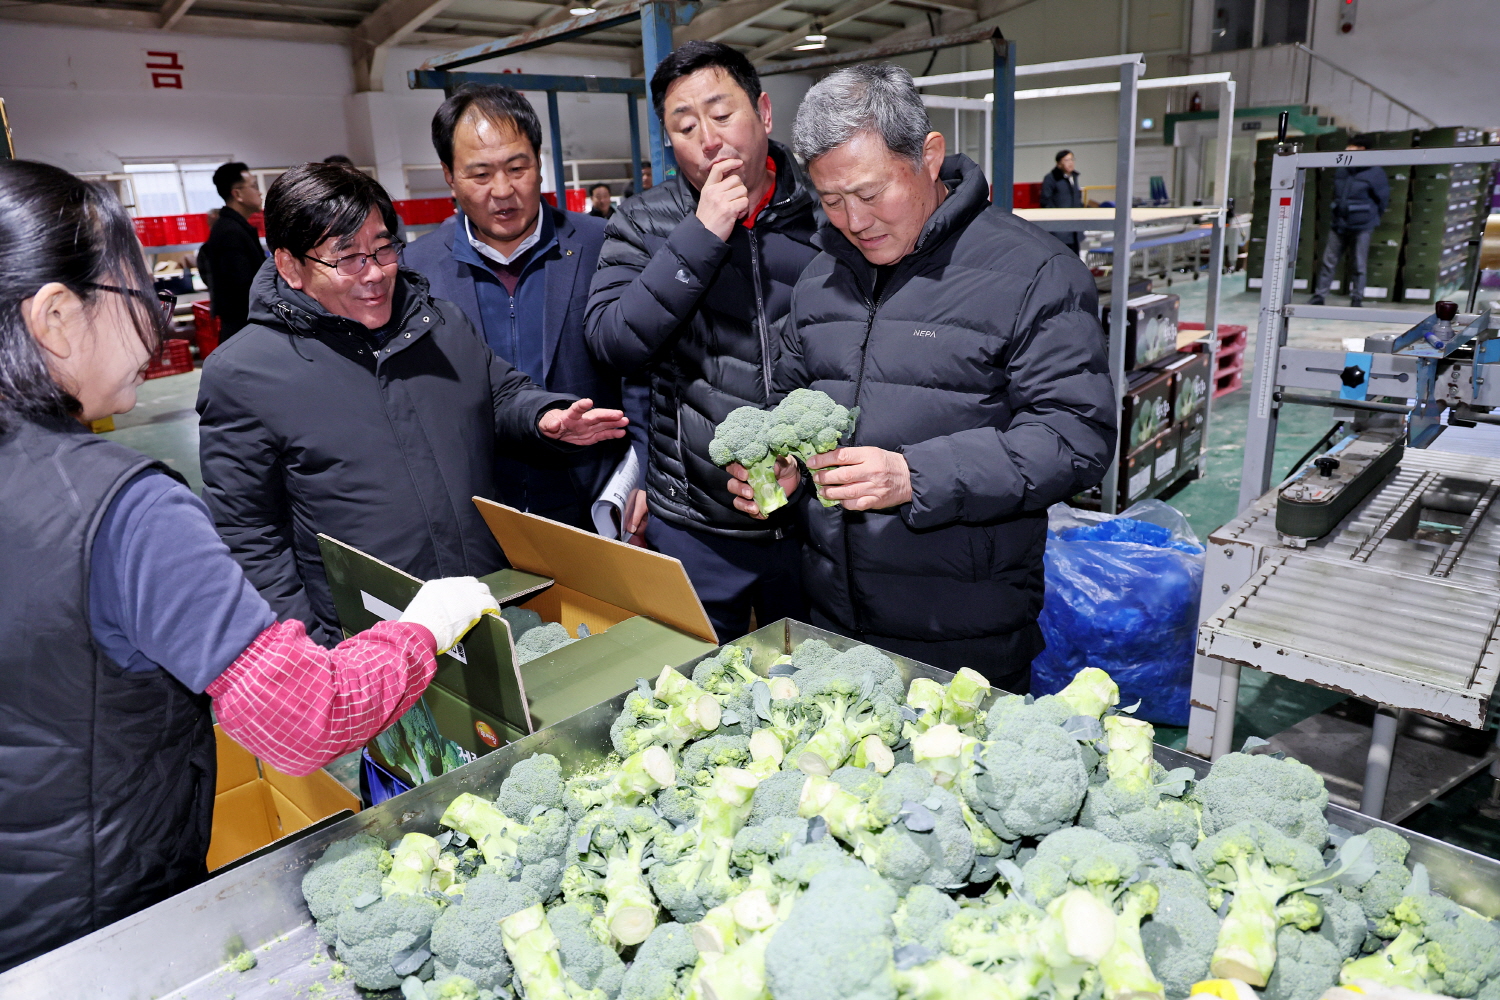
816,37
806,47
580,11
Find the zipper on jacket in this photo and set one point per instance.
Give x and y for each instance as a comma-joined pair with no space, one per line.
760,316
859,383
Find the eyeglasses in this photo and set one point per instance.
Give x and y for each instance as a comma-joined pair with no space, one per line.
163,298
355,263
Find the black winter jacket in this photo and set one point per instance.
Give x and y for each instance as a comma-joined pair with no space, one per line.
1360,198
982,361
229,260
308,426
701,319
1060,190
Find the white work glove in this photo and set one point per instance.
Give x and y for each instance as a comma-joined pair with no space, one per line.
450,607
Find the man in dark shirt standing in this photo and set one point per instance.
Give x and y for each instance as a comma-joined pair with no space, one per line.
1060,190
599,202
232,255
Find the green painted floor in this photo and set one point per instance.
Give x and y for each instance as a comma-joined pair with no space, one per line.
165,426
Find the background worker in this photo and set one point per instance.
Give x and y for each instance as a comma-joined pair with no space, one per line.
599,199
519,270
232,254
695,276
356,405
123,618
1060,190
645,181
1360,197
969,340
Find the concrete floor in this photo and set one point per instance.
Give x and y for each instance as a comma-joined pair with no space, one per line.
164,425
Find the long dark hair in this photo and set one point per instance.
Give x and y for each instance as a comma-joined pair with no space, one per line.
55,227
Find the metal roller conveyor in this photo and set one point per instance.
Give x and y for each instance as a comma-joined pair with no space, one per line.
177,949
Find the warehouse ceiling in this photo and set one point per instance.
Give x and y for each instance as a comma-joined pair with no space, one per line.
767,30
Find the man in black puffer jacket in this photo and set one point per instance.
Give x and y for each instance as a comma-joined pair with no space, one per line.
694,280
1360,197
969,341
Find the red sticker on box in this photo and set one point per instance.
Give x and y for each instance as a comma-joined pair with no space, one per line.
486,734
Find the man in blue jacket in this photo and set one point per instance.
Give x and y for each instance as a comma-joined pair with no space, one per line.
1360,197
520,271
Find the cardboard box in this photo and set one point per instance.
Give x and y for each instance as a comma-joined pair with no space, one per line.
1164,466
1192,440
256,805
1137,474
1147,408
1150,329
639,608
1189,372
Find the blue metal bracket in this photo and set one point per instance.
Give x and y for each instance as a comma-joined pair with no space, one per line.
657,20
1356,359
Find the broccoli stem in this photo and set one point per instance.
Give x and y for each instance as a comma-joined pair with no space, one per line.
1397,964
495,833
1130,751
1124,968
727,805
963,696
1247,941
831,745
942,751
412,863
946,978
872,751
533,951
845,814
766,753
769,495
1091,692
739,974
925,697
629,907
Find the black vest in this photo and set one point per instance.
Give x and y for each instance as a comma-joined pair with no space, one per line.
106,777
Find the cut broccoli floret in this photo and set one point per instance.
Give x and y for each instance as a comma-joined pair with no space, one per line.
348,870
1133,806
853,695
1307,965
1442,948
1180,937
837,940
764,844
660,969
1378,896
1078,856
1264,868
777,795
923,917
702,758
466,938
808,423
678,804
1343,923
534,849
533,783
611,844
634,780
1029,779
744,437
586,958
386,940
726,672
535,952
1285,793
674,712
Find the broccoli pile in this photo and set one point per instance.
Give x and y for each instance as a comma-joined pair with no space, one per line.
805,423
820,830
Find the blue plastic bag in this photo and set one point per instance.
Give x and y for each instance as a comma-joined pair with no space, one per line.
1122,595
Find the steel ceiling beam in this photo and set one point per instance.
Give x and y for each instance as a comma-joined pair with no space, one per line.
886,51
794,36
573,27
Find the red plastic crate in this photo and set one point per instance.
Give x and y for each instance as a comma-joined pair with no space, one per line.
152,230
423,211
578,200
205,329
174,358
1027,195
191,228
1226,380
258,220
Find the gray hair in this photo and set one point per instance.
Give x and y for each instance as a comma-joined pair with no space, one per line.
880,99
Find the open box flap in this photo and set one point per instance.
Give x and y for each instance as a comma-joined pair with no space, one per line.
635,580
481,669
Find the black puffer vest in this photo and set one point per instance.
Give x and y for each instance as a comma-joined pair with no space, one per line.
106,777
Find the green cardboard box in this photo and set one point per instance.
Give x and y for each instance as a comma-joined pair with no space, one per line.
639,610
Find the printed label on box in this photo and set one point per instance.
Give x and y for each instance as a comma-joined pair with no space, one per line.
1165,463
1138,482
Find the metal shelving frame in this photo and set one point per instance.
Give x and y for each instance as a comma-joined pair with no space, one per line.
1123,218
657,18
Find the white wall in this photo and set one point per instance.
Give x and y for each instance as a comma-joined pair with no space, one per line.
1438,55
81,98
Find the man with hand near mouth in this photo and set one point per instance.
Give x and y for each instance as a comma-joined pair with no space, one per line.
356,405
694,280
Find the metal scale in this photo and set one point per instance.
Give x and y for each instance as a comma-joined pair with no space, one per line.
1374,570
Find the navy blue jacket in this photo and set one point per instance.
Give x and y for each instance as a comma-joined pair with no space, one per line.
568,366
1360,197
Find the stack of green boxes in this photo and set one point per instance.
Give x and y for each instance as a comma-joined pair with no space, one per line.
1449,203
1255,251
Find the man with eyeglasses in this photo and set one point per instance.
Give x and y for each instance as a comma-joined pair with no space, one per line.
354,404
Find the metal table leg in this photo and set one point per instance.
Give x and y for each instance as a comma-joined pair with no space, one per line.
1229,699
1378,764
